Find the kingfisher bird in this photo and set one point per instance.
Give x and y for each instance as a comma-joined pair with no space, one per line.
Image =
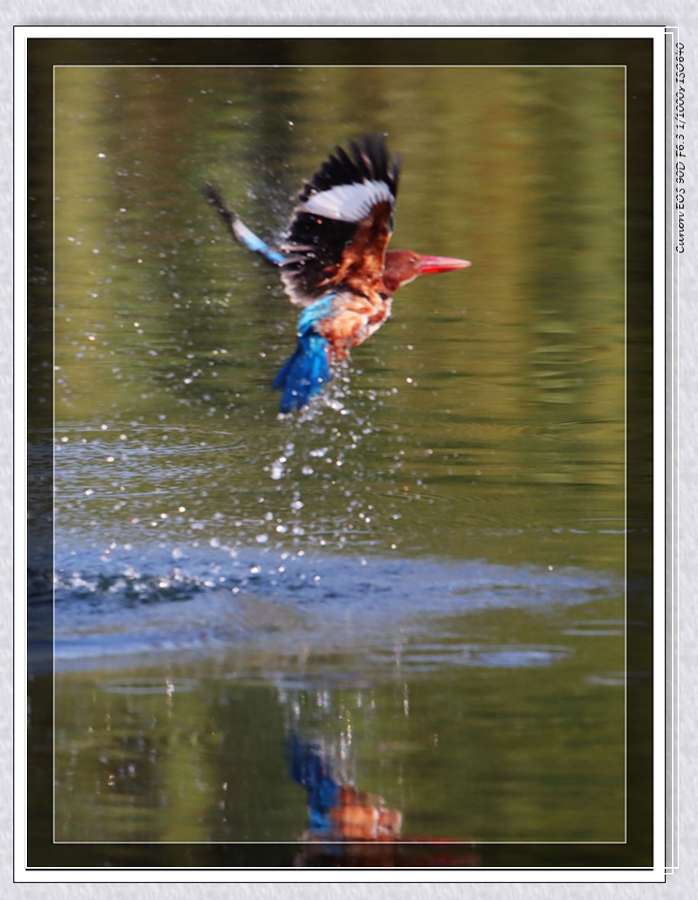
334,261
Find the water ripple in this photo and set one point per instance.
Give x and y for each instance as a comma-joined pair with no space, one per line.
138,601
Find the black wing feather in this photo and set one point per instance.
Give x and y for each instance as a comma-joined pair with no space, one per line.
316,240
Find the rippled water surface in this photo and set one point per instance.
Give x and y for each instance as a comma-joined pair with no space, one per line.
420,580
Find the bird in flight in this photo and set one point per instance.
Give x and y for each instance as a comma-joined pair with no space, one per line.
335,263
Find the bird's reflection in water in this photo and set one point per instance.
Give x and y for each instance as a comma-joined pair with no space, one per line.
350,827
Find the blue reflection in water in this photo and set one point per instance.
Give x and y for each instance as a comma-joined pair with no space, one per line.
308,768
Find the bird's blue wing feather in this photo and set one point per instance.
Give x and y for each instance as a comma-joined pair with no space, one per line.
256,244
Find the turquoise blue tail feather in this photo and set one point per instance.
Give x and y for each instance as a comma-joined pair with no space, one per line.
302,375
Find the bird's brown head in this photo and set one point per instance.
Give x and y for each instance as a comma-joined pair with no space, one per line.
403,266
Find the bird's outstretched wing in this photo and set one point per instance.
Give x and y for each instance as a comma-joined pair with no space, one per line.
341,227
239,230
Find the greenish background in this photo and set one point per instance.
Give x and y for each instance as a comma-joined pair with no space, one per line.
497,393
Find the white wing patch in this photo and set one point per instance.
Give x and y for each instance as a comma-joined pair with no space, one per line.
348,202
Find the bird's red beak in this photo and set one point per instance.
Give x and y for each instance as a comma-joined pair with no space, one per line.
431,264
